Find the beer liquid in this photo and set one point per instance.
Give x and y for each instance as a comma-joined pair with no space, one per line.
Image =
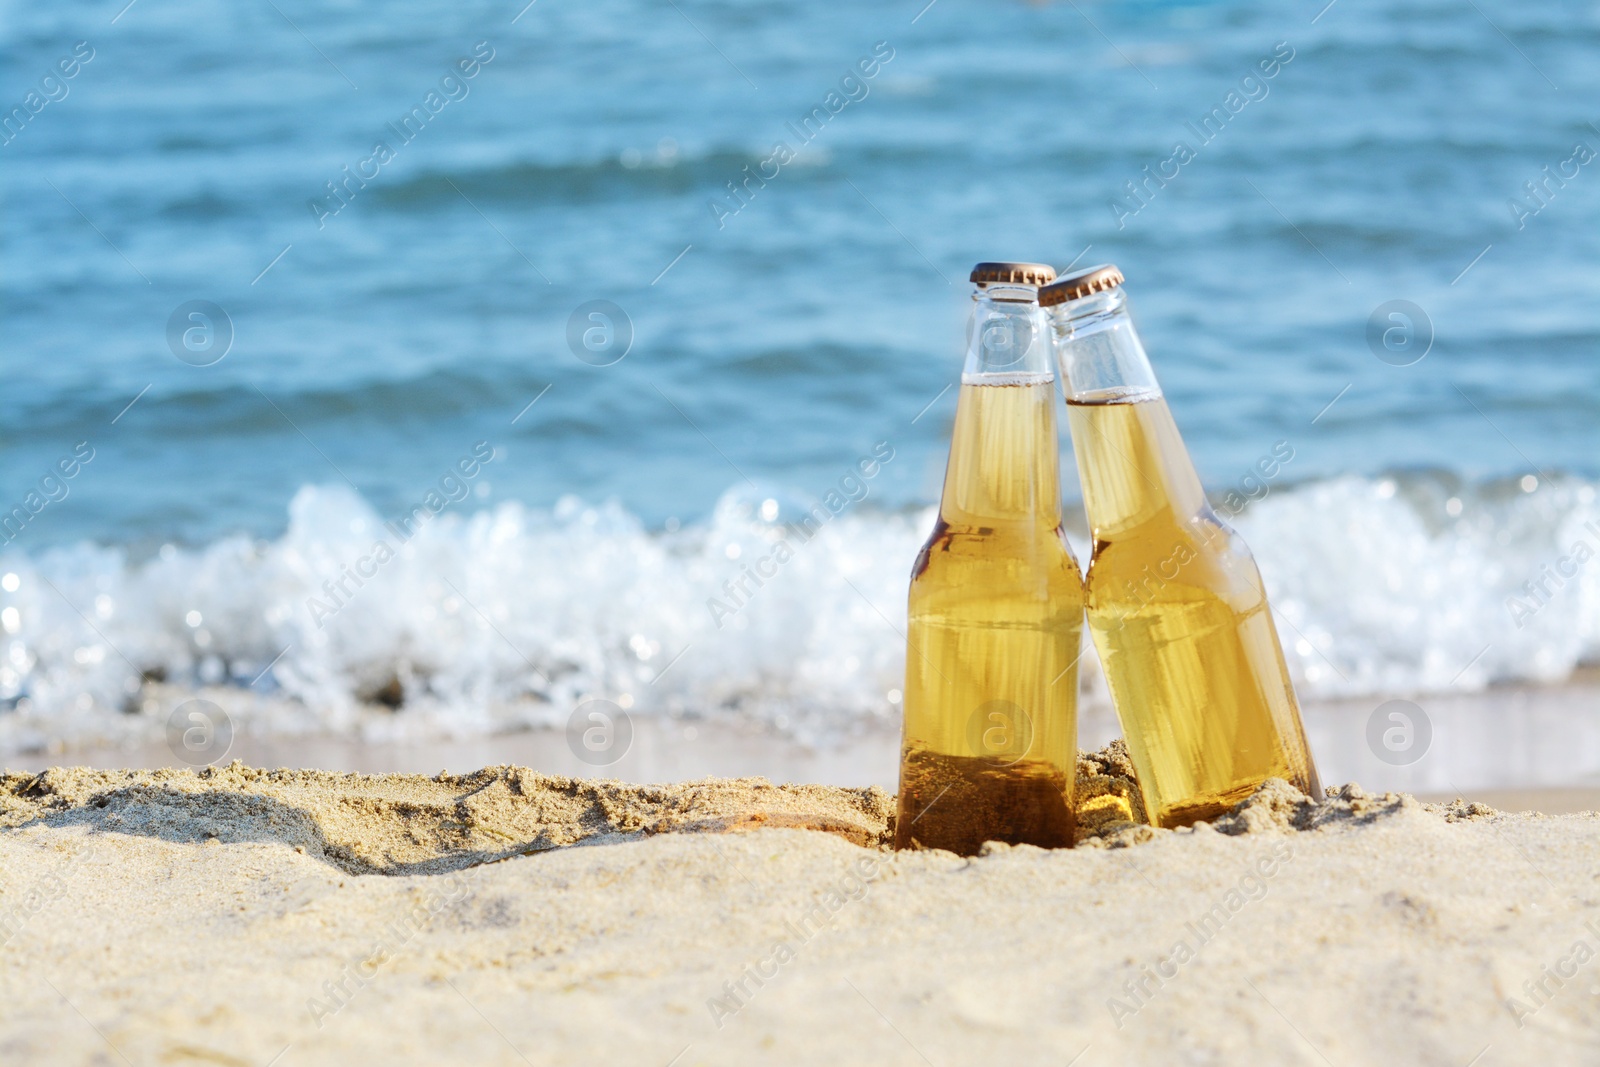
1180,618
996,619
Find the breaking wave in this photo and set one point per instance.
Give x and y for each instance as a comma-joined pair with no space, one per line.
505,619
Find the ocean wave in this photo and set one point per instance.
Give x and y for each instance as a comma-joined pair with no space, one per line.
621,178
465,625
229,407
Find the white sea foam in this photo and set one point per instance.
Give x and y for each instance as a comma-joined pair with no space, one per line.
510,617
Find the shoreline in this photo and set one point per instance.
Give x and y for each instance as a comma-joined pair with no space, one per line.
1505,741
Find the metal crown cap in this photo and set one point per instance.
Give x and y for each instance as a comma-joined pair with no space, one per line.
1085,282
1012,274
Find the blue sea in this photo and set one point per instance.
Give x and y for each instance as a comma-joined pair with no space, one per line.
573,308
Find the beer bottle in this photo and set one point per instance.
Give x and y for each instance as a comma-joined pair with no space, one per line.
989,748
1176,604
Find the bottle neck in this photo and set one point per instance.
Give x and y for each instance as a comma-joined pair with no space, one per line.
1008,336
1004,465
1131,459
1098,349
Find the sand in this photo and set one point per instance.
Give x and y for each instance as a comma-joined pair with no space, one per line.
241,916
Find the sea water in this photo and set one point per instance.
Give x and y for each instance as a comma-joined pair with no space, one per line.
1425,535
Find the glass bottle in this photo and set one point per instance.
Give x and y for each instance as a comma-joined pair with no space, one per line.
989,747
1176,604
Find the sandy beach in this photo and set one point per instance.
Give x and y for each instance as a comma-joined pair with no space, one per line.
244,916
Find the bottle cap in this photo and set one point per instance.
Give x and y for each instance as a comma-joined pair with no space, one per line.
1012,274
1085,282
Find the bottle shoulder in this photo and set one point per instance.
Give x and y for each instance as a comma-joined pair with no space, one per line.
955,553
998,539
1201,556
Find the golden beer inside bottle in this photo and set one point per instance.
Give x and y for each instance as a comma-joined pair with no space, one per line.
996,610
1180,619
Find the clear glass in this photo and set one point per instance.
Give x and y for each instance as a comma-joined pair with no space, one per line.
1176,604
989,748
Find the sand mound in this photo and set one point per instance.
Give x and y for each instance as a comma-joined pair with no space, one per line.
412,824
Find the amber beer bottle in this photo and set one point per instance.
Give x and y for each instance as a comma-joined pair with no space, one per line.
1176,604
996,606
